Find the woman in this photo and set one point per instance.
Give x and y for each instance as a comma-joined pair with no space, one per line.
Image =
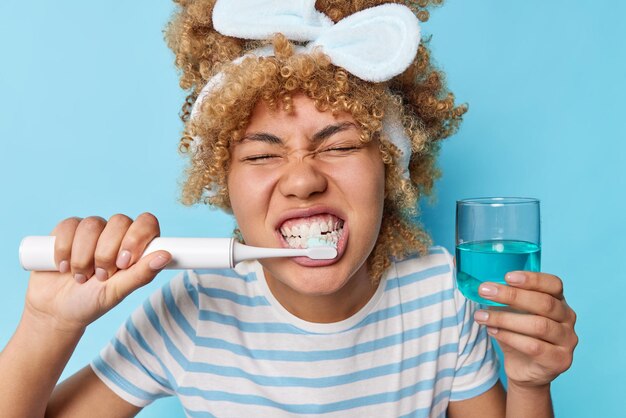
324,133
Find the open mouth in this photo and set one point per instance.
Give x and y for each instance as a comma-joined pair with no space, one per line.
317,230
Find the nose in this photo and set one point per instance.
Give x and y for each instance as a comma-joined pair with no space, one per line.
302,179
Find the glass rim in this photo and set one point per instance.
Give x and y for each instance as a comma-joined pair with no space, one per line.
498,201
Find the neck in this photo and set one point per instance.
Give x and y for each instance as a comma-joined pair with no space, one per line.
325,308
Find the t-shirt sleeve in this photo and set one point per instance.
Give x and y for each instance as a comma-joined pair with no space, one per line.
477,364
141,363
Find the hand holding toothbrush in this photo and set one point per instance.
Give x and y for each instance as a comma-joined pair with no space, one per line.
99,264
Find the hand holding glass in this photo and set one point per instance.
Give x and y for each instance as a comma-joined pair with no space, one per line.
495,236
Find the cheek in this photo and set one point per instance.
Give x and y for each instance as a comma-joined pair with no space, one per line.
366,182
377,192
249,195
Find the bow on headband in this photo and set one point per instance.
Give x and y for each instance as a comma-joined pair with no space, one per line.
375,44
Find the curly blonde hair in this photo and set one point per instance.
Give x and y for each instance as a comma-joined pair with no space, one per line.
419,94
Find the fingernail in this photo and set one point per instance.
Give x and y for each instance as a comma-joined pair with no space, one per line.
515,278
101,274
481,316
492,330
123,259
80,278
487,290
64,266
158,262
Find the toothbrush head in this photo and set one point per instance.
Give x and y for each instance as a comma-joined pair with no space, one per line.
321,253
318,249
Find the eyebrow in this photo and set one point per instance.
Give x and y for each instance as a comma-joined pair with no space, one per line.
330,130
319,136
262,137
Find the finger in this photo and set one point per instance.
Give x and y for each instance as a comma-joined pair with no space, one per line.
126,281
84,246
537,303
64,235
531,325
541,282
108,245
554,358
139,234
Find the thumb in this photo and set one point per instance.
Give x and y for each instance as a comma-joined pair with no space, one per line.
125,282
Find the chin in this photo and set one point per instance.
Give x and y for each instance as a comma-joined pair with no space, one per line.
313,281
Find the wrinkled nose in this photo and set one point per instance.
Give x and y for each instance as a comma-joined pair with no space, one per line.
301,179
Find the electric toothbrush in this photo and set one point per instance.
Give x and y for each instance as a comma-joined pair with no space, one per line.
37,252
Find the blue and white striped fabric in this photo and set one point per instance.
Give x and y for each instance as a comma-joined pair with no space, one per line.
220,342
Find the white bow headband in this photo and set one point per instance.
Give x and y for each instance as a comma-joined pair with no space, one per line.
375,44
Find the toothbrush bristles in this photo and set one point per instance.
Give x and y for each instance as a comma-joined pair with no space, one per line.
322,253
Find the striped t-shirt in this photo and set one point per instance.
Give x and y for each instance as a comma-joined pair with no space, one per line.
223,344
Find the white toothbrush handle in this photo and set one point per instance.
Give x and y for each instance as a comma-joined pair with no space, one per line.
37,252
195,253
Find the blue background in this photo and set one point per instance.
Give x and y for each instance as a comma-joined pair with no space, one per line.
88,125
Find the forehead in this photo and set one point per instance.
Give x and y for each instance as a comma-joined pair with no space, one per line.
303,116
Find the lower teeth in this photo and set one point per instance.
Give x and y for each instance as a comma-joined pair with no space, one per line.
320,242
325,240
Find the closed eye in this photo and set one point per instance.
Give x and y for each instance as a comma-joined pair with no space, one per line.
341,149
259,158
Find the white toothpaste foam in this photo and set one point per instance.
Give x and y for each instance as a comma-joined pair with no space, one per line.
317,242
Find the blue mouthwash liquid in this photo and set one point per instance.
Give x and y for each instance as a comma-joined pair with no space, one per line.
489,261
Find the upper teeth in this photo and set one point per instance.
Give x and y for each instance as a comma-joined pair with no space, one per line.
325,230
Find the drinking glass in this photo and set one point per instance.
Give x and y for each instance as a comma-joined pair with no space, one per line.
495,235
